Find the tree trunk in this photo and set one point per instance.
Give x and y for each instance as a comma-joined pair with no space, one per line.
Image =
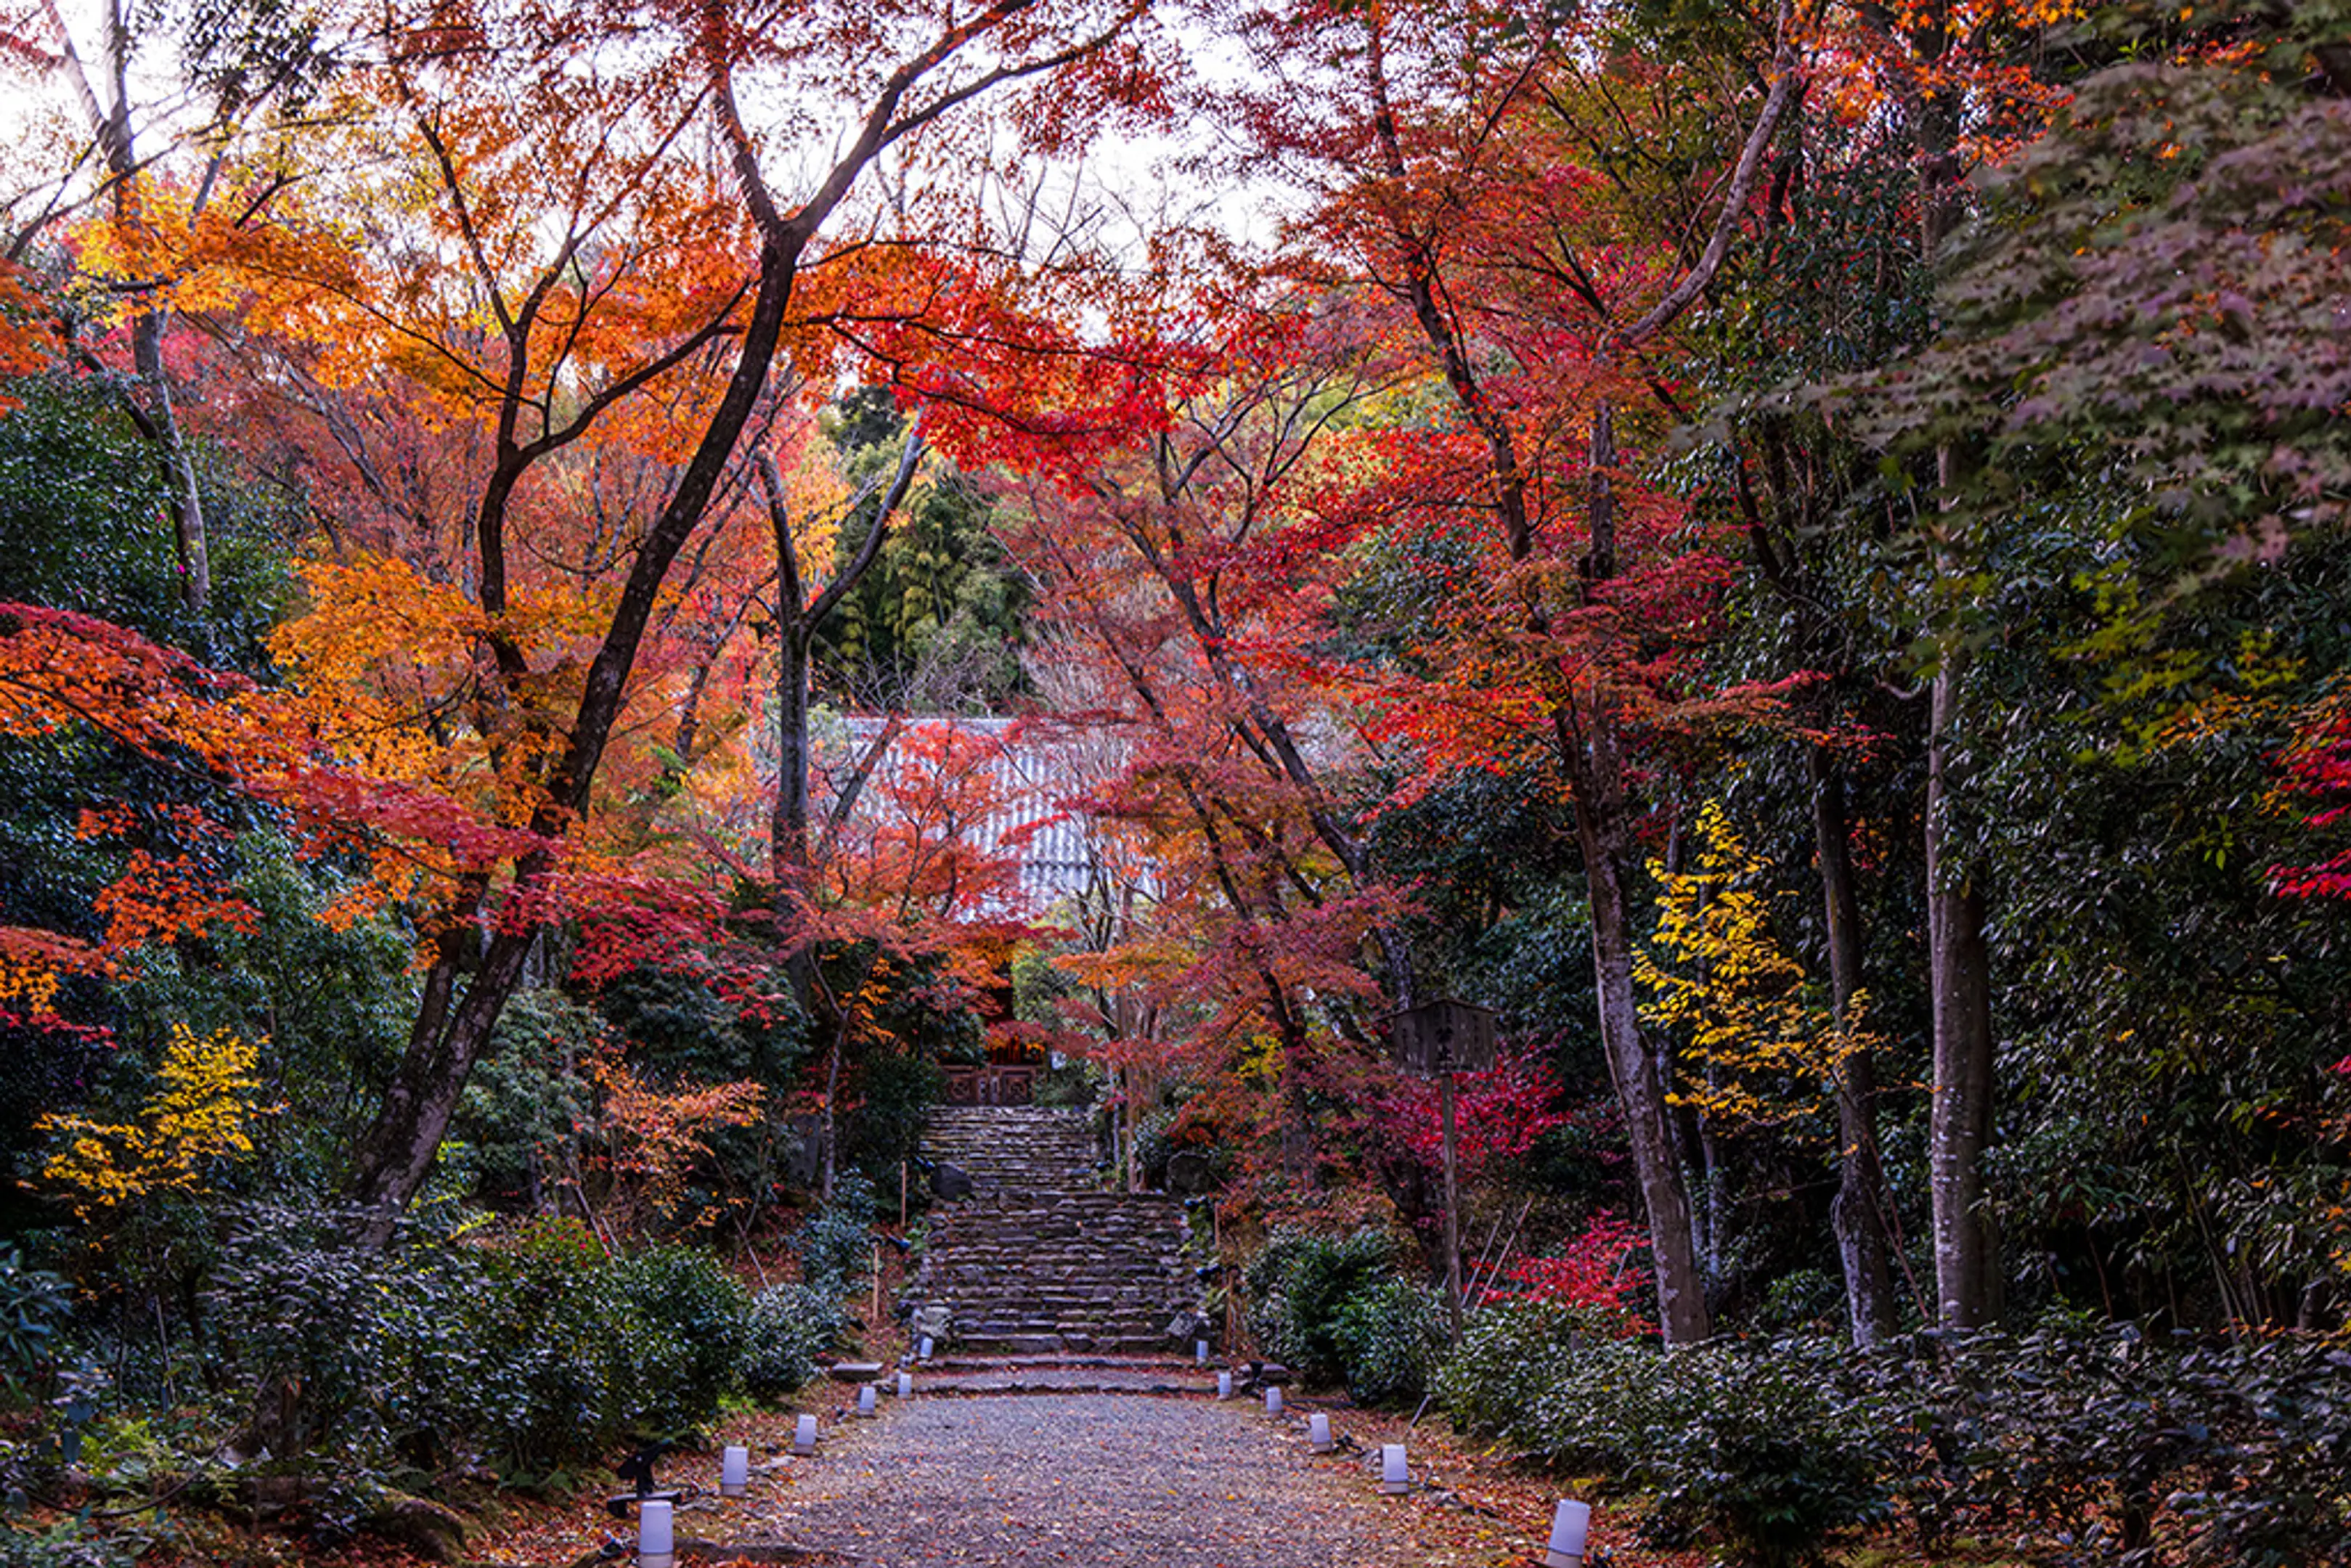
157,421
1959,979
1967,1271
192,553
798,619
788,822
829,1136
1682,1314
1595,770
1854,1216
397,1153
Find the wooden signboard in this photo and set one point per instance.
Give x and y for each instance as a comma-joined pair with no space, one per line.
1444,1037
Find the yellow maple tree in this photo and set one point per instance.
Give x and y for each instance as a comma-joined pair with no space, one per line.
202,1111
1761,1043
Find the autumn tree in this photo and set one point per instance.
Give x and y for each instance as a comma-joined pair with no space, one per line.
149,159
594,313
1452,189
1177,568
805,606
2210,465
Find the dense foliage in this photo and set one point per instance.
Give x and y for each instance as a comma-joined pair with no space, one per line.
1797,555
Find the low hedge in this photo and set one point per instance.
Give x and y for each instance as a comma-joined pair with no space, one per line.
2097,1448
530,1352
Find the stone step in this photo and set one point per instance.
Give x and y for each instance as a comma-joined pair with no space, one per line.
1064,1344
1045,1261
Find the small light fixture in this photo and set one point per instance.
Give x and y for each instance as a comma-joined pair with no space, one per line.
734,1472
1396,1479
656,1547
804,1436
1318,1432
1224,1386
1569,1528
866,1400
1273,1401
1200,1351
905,1385
923,1353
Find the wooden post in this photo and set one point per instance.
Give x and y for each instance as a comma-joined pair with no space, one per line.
877,1284
1452,1212
1232,1297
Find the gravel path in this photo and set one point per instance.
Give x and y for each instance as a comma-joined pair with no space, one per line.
991,1481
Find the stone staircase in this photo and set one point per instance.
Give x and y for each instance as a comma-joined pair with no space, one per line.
1042,1260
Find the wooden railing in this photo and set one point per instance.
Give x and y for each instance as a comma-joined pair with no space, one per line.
991,1085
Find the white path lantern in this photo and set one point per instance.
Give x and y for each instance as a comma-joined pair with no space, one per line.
656,1546
1318,1432
867,1401
1569,1528
804,1436
1224,1386
734,1472
1273,1401
905,1385
1395,1475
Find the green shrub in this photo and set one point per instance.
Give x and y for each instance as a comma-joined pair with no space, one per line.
1298,1286
315,1328
2122,1449
833,1246
540,1323
34,1305
67,1545
791,1325
2277,1487
2093,1444
1510,1352
1768,1451
531,1352
1599,1406
1389,1334
680,1326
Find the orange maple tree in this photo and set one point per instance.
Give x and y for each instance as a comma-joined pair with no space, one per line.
582,296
